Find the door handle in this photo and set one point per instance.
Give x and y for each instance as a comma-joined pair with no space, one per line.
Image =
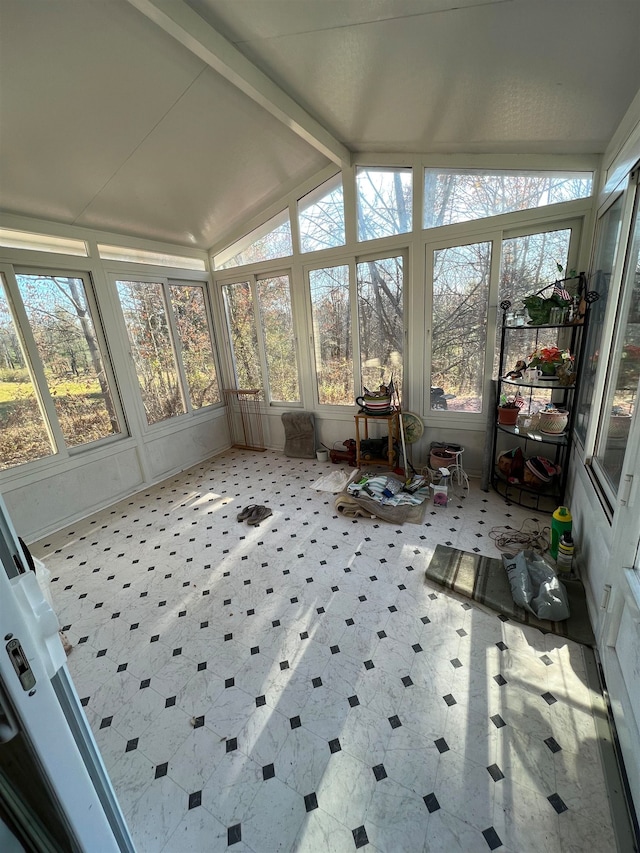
21,664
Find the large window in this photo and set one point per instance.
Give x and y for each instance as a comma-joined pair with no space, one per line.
604,258
461,276
172,349
332,337
54,385
342,368
385,200
460,195
321,217
270,240
621,392
260,326
381,321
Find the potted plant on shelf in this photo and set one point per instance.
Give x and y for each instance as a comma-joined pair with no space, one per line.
548,359
509,409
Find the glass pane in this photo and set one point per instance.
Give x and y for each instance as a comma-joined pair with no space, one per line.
381,321
241,320
279,341
622,391
333,343
528,264
145,316
196,348
456,195
606,246
65,336
271,240
460,299
321,217
385,202
23,430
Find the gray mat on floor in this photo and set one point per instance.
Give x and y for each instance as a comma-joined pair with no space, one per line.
485,580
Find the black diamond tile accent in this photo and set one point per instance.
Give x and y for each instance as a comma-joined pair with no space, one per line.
425,620
294,722
558,803
335,650
155,638
546,660
368,664
449,699
195,799
406,680
379,772
145,683
317,682
553,744
549,698
255,650
320,610
228,637
198,722
353,701
84,702
284,664
382,634
106,722
416,647
202,665
334,745
229,682
234,834
500,679
131,744
310,802
497,721
455,663
492,838
170,702
304,635
360,838
177,652
275,623
431,802
395,721
495,772
392,609
502,646
232,744
349,622
441,745
268,772
260,701
101,653
461,632
161,770
122,667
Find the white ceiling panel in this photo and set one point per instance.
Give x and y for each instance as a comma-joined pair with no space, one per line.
215,158
111,120
552,76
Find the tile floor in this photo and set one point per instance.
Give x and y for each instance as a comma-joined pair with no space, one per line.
299,686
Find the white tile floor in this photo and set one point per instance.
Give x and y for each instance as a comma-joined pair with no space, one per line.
299,686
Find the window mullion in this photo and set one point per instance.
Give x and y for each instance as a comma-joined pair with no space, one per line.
177,347
355,328
262,350
34,364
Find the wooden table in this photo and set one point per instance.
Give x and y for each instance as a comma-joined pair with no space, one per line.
391,420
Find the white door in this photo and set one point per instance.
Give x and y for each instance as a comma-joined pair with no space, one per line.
55,794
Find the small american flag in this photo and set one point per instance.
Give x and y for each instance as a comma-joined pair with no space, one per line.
519,401
562,292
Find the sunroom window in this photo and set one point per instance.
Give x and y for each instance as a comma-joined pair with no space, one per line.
172,348
321,217
54,383
271,240
385,201
460,195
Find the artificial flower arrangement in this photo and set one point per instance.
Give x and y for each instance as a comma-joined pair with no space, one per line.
547,359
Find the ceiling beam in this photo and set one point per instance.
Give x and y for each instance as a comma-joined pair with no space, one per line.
180,21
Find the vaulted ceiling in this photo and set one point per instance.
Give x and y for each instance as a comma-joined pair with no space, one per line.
178,121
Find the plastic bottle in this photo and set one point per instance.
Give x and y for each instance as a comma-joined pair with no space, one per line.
560,522
565,552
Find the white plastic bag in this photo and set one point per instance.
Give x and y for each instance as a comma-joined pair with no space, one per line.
535,586
43,576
